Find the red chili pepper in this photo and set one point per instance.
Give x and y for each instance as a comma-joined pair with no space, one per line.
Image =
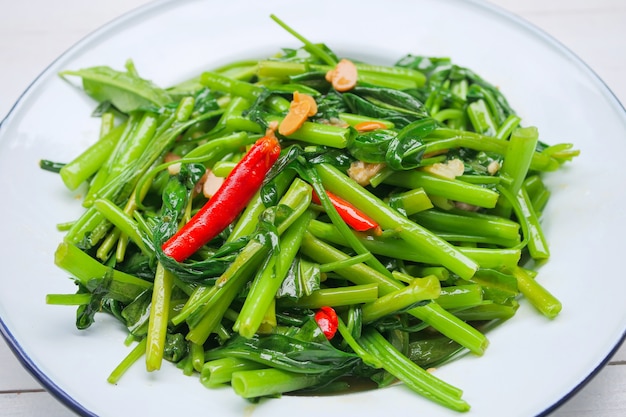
354,217
225,205
326,319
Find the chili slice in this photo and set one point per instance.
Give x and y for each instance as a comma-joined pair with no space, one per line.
227,203
353,217
326,319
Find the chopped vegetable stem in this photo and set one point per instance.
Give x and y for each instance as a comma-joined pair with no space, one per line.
266,284
84,268
336,297
410,232
247,221
157,324
269,382
133,356
81,168
412,375
452,189
68,299
429,313
419,289
291,223
125,224
537,294
220,371
517,161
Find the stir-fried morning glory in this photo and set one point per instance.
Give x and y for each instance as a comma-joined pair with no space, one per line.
306,220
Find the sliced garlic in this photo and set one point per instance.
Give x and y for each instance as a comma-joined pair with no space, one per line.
450,169
362,172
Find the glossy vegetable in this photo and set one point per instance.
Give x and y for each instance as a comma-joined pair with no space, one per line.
373,221
326,318
228,202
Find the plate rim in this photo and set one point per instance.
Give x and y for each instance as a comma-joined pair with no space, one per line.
66,399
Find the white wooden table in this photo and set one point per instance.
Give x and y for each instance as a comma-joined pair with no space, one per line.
35,32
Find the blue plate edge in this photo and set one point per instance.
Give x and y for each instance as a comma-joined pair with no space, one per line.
485,5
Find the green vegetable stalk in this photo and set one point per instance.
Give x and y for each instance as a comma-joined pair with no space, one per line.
357,221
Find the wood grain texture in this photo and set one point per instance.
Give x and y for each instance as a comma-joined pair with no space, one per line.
34,33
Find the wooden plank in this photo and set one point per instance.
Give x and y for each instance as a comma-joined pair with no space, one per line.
604,396
13,376
620,356
28,404
581,25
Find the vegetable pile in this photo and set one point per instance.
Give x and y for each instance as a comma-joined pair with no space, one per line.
296,223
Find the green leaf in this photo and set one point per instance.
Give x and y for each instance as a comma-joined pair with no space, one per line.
396,106
288,353
137,313
99,289
176,347
372,146
125,90
405,151
302,279
498,286
433,351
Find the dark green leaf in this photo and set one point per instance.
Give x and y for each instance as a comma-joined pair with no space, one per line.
372,146
302,279
176,347
406,150
125,90
433,351
498,286
99,289
137,313
289,353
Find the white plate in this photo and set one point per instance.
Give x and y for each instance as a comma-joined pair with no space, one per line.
532,364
